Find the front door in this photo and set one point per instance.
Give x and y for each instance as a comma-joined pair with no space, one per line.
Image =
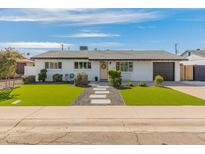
103,70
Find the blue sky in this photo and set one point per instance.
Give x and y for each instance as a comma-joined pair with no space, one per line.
39,30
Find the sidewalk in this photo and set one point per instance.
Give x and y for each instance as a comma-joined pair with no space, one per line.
102,125
102,112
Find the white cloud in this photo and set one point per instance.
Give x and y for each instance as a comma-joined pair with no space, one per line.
89,35
89,31
79,16
33,45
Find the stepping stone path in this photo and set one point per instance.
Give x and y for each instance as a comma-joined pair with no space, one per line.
99,95
102,92
100,101
103,89
98,91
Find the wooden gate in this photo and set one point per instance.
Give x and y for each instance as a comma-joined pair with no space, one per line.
186,72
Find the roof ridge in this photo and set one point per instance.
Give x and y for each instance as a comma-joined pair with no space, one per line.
126,55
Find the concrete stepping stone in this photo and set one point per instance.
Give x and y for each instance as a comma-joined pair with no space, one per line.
100,101
16,102
102,92
98,96
104,89
102,86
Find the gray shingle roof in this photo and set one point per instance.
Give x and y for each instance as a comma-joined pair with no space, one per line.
200,53
194,52
110,55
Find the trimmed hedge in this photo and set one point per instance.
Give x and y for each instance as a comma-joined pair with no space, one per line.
115,78
142,84
130,84
29,79
158,80
57,77
81,80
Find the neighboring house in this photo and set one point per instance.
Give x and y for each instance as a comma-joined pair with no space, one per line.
195,57
21,63
194,68
135,65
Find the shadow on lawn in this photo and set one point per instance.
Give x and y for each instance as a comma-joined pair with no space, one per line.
124,87
130,87
6,94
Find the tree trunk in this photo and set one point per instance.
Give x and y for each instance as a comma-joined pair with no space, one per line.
14,82
6,82
9,82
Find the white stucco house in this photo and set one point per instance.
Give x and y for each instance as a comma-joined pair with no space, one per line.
135,65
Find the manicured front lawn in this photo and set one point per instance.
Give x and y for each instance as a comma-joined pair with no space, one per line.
158,96
40,95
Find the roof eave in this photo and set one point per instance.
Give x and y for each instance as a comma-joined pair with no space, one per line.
139,59
106,59
59,58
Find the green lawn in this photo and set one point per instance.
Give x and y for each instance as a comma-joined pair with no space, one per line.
40,95
157,96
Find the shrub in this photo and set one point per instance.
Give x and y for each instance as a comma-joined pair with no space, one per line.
115,78
142,84
29,79
42,75
81,80
158,80
57,77
130,84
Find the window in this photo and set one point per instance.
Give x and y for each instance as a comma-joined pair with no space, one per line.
76,65
124,66
82,65
53,65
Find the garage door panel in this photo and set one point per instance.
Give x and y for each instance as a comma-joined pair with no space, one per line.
165,69
199,72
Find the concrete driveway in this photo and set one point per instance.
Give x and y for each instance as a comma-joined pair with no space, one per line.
102,125
197,91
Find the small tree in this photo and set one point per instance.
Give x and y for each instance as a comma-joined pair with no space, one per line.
8,61
158,80
42,75
81,80
115,78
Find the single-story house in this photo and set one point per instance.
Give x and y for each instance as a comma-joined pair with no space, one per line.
135,65
21,63
194,68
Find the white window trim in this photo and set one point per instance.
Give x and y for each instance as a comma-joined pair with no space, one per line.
83,69
49,69
128,66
